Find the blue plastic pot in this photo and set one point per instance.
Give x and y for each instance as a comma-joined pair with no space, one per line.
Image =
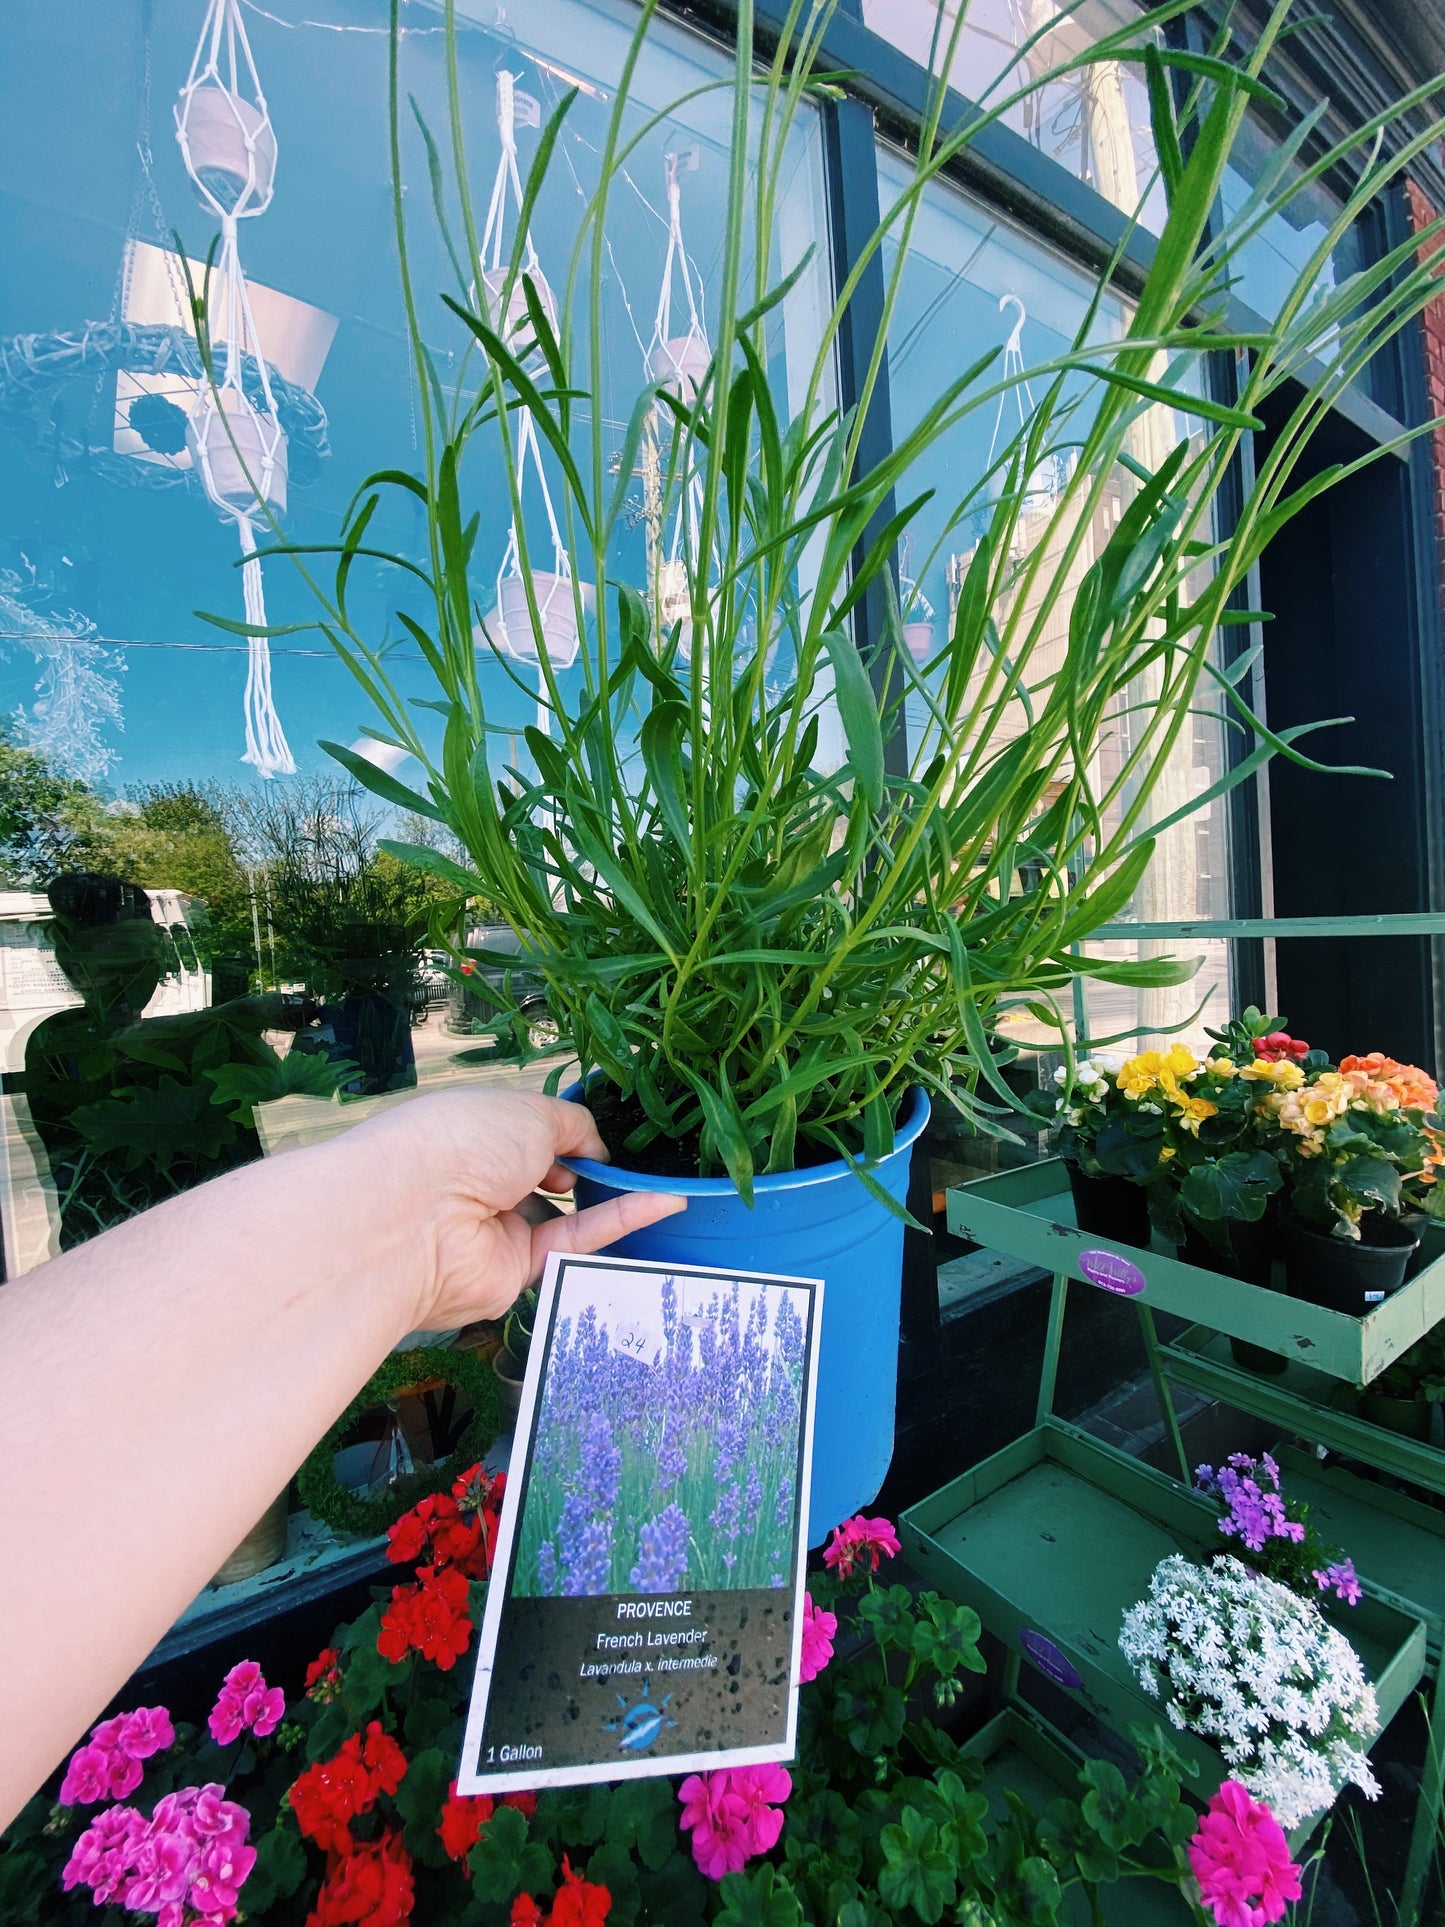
817,1223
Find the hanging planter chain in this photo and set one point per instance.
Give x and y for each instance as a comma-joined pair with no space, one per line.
557,616
229,149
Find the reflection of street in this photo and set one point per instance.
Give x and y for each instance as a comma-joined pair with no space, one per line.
436,1046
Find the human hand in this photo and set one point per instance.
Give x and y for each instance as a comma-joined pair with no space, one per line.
467,1164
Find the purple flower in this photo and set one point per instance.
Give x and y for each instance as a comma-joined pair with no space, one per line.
547,1568
662,1552
752,1500
590,1567
1341,1576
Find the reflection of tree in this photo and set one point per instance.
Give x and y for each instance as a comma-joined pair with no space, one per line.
346,915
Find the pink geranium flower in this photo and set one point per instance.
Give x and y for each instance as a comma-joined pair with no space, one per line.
145,1731
858,1539
818,1630
101,1857
732,1815
246,1704
87,1778
1241,1859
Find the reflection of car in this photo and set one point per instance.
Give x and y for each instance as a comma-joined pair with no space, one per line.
494,986
430,987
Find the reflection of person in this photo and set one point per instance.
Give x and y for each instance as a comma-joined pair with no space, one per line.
165,1380
173,1134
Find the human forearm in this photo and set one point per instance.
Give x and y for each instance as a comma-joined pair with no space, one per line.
165,1381
223,1330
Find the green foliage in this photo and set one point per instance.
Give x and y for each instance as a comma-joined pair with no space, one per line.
44,816
758,950
904,1837
505,1862
239,1088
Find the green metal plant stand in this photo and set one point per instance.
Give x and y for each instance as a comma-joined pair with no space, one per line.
1053,1538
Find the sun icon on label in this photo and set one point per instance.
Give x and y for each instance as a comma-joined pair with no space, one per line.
641,1722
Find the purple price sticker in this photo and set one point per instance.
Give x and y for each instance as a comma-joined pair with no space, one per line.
1049,1660
1110,1272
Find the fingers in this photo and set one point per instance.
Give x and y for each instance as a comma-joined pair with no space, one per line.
602,1224
574,1135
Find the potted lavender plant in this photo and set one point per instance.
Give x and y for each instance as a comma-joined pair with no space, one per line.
768,959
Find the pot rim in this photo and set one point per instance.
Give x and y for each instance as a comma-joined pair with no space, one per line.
621,1179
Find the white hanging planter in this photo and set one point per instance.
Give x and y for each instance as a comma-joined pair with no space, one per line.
674,595
919,639
229,148
259,447
511,623
516,329
680,364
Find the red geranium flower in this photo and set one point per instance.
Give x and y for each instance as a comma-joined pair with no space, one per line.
431,1618
526,1912
323,1675
578,1902
331,1794
462,1822
370,1887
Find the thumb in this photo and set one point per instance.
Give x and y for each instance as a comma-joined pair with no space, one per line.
601,1224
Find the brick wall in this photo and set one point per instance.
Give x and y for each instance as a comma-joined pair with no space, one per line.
1421,215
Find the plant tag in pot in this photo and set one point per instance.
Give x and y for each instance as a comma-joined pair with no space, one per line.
645,1611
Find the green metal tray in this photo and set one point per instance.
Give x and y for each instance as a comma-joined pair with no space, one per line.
1022,1754
1029,1213
1054,1538
1397,1543
1301,1400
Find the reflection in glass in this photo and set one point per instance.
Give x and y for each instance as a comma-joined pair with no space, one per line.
1095,121
971,280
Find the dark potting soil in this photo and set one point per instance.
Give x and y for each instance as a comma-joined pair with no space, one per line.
618,1116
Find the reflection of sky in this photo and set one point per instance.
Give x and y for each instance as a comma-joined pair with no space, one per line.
139,563
962,262
629,1304
1268,264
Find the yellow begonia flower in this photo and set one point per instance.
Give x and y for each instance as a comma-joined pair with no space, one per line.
1220,1067
1181,1061
1141,1073
1194,1110
1284,1075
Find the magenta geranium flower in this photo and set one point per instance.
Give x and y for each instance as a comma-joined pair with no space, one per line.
87,1777
818,1630
145,1731
246,1704
733,1815
858,1539
1241,1860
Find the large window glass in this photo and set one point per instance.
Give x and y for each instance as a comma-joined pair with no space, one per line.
183,939
1093,121
971,278
1267,265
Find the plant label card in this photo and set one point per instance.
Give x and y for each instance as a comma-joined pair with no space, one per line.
645,1611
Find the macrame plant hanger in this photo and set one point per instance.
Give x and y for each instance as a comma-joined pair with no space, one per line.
1044,485
679,362
554,591
229,149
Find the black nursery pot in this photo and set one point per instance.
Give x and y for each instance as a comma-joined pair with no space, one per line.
1252,1247
1343,1275
1111,1208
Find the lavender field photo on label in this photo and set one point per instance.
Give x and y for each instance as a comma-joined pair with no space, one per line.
666,1451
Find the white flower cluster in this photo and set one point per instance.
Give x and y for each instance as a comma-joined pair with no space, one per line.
1258,1670
1091,1086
